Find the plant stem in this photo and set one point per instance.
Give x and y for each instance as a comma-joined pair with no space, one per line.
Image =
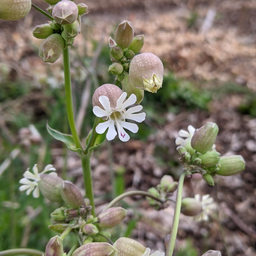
43,12
86,165
176,218
69,101
132,193
66,232
21,251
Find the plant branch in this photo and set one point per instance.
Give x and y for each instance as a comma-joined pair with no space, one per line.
20,251
43,12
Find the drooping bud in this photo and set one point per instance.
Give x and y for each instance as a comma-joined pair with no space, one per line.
204,138
230,165
209,179
51,48
111,217
167,184
191,206
128,247
137,43
14,10
94,249
124,34
82,9
49,185
90,229
65,12
212,253
128,87
52,2
112,91
115,69
146,72
58,215
71,194
54,247
210,158
42,31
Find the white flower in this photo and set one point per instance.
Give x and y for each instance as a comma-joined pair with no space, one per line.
156,253
115,117
187,135
208,206
30,180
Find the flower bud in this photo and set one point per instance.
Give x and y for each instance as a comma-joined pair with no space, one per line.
212,253
68,39
51,48
65,12
230,165
128,247
167,184
181,149
146,72
204,138
124,34
94,249
55,25
82,9
54,247
185,157
42,31
191,206
111,217
209,179
187,145
14,10
71,214
154,192
129,88
210,158
90,229
102,236
58,215
129,54
52,2
71,195
112,91
49,185
115,69
197,161
116,52
137,43
72,29
59,228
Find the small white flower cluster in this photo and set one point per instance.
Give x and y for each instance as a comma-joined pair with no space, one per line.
186,135
156,253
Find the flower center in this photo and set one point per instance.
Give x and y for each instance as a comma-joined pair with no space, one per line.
116,115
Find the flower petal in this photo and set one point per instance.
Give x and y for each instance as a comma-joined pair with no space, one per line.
102,127
30,190
179,141
130,126
140,117
122,134
130,101
48,167
111,134
183,133
36,192
99,112
25,181
35,170
30,175
147,252
191,130
120,101
104,100
24,187
134,109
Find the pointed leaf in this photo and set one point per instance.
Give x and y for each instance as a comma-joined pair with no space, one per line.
96,141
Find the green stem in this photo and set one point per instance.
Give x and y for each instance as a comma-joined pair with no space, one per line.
66,232
86,165
132,193
69,101
43,12
176,218
72,250
21,251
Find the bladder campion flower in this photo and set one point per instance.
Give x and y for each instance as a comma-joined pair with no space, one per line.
113,111
186,135
156,253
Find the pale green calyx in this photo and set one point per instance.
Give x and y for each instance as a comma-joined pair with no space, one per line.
42,31
124,34
54,247
191,206
94,249
137,43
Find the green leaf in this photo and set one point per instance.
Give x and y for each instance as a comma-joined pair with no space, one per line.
96,141
66,138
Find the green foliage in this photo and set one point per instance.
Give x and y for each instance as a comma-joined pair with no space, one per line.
188,250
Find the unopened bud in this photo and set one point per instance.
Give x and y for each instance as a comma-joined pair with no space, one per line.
58,215
111,217
72,29
71,195
128,247
204,138
116,52
155,193
181,149
146,72
167,184
54,247
230,165
14,10
55,25
49,185
59,228
82,9
137,43
52,2
191,206
129,54
210,158
90,229
115,69
185,157
124,34
65,12
197,161
71,214
209,179
51,48
68,39
212,253
94,249
42,31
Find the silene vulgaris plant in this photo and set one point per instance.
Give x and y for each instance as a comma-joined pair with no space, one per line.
117,108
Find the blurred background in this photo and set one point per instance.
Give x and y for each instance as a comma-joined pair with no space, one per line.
208,50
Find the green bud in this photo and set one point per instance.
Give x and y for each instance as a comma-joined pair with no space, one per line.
71,195
115,69
59,228
204,138
50,185
52,2
111,217
55,25
146,72
230,165
124,34
58,215
94,249
102,236
71,214
42,31
209,179
137,43
65,12
88,240
90,229
191,206
14,10
185,157
129,54
116,52
82,9
181,150
212,253
51,48
210,158
68,39
54,247
187,145
154,192
72,29
197,161
167,184
128,247
129,88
